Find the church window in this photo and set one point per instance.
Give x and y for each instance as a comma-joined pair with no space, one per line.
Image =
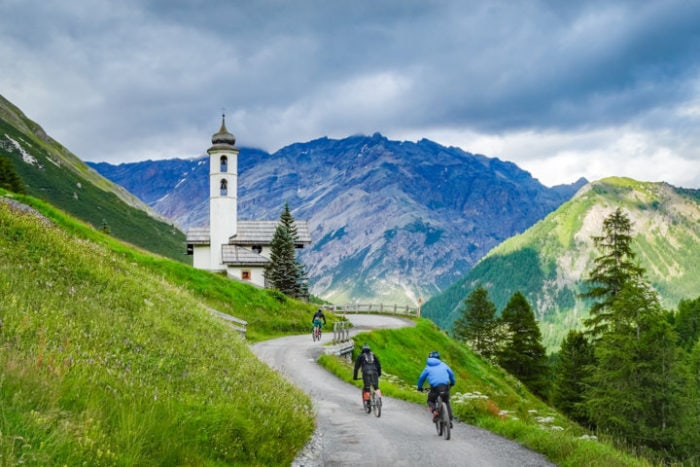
245,275
224,164
223,190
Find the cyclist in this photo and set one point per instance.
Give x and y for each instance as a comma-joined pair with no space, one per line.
440,377
318,317
371,371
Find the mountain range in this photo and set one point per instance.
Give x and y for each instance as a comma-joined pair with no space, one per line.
391,222
549,261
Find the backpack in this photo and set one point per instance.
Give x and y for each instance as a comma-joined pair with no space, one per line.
369,359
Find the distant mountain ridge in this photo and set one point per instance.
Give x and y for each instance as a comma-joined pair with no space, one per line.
548,261
52,173
390,221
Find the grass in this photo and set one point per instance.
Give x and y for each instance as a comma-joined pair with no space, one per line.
484,395
109,355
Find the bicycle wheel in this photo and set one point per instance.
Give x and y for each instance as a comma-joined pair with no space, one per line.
377,404
445,421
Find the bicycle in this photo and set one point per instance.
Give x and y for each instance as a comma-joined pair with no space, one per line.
316,333
442,424
373,403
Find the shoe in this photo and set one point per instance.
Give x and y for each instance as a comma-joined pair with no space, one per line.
436,415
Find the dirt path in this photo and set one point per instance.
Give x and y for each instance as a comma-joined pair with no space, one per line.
402,436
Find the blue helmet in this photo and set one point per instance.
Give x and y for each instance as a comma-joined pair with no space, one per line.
365,348
434,354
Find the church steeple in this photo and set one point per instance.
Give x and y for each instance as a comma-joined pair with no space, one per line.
223,136
223,192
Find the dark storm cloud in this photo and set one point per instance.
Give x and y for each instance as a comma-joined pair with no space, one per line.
137,79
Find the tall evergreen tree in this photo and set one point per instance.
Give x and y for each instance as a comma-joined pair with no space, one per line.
9,179
477,326
281,272
286,272
571,373
523,354
611,270
635,388
687,323
687,440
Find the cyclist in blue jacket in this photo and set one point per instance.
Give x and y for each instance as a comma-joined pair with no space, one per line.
440,377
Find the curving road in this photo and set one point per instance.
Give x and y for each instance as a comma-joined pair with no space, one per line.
402,436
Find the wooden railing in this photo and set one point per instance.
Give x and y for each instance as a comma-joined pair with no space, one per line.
374,308
236,323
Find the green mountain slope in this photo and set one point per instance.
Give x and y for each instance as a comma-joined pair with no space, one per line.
110,356
52,173
548,261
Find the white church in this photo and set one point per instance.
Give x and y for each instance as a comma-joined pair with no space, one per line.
239,248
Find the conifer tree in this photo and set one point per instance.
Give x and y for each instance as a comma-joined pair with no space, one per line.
523,354
286,272
687,323
477,326
281,271
571,373
9,179
635,389
615,266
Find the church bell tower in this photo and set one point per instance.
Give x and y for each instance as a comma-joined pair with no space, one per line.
223,192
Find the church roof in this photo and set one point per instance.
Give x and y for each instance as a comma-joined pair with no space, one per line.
261,232
223,139
234,255
250,233
198,235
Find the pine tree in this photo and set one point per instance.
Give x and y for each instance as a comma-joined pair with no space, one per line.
687,323
687,441
571,372
523,354
478,324
611,270
285,272
9,179
634,391
281,272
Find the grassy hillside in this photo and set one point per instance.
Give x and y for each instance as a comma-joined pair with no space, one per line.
548,261
484,395
52,173
110,356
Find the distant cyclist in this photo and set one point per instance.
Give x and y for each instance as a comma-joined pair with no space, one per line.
318,317
441,378
371,370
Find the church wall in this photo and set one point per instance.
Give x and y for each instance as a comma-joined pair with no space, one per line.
256,275
201,257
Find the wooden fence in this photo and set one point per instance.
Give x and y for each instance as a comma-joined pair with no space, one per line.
374,308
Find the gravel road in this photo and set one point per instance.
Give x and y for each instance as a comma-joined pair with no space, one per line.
402,436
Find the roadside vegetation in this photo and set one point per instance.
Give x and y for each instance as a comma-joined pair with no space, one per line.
110,355
485,396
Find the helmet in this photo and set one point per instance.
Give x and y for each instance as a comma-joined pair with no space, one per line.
365,348
434,354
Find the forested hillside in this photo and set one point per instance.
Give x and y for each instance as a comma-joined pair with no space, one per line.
548,261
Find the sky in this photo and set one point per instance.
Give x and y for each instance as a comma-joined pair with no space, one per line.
563,89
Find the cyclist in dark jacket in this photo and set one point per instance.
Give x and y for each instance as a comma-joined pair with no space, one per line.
371,370
441,378
318,317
